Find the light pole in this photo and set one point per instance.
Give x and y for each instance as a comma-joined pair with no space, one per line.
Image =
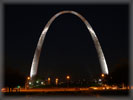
49,80
68,78
56,81
103,79
27,82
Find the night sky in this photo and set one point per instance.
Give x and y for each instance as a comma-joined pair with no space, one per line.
68,47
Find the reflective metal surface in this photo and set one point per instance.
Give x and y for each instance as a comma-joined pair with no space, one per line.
35,61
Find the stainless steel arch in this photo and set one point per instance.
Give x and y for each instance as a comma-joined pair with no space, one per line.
35,61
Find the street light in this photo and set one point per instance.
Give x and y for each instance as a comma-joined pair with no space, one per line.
68,78
56,81
103,78
27,82
28,78
49,80
102,75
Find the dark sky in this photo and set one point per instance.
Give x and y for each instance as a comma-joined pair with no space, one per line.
68,47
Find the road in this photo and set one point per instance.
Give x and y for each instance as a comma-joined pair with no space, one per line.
46,89
61,89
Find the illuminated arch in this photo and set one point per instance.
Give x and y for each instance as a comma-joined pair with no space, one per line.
101,57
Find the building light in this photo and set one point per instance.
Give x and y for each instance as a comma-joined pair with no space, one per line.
30,83
100,80
18,86
42,83
37,81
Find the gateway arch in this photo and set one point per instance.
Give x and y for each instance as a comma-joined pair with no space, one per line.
34,66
